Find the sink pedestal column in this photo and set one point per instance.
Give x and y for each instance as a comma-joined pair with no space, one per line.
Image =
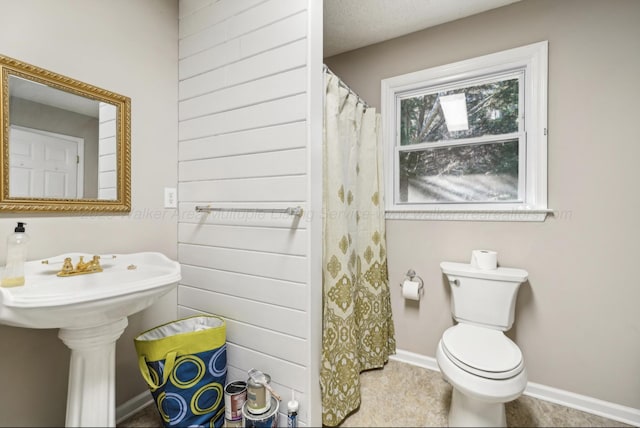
91,395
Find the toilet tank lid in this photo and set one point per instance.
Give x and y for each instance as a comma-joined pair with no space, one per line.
499,274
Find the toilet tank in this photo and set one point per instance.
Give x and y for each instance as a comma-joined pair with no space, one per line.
483,297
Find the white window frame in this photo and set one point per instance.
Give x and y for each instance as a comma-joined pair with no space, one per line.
532,61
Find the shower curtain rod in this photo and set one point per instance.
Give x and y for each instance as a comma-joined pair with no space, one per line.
345,86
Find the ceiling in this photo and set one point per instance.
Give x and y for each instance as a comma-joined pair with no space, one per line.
352,24
43,94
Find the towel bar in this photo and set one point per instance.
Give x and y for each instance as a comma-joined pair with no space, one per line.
295,211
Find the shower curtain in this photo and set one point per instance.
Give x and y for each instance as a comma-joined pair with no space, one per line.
357,324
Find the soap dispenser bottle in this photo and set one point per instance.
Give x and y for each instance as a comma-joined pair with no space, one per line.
17,243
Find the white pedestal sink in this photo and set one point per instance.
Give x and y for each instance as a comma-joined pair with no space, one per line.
91,312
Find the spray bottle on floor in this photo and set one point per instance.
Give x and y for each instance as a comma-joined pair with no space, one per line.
292,412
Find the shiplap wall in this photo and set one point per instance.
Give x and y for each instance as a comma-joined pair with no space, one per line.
243,142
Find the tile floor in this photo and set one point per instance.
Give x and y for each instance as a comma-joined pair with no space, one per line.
403,395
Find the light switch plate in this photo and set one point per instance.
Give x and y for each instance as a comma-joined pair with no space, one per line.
170,197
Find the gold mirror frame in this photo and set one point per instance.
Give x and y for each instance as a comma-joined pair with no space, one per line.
122,203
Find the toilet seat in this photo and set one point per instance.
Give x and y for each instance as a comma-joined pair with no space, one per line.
482,351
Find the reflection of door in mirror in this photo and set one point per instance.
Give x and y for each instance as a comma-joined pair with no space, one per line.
49,110
45,165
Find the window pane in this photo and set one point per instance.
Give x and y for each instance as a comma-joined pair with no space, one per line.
473,111
464,173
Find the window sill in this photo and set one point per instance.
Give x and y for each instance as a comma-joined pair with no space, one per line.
531,215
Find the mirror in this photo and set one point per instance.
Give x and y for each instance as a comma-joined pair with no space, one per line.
65,144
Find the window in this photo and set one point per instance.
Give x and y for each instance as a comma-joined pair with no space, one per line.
468,140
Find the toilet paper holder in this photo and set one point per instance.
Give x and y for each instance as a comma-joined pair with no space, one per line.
410,275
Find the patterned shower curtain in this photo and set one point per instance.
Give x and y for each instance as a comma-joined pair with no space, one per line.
357,324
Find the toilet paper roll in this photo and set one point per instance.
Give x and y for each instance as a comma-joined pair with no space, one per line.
411,290
484,259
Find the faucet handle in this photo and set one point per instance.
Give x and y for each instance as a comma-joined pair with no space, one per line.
95,262
67,266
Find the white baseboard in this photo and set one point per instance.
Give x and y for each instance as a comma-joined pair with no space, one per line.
415,359
606,409
133,406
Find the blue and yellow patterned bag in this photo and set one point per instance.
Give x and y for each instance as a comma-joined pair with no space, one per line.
185,364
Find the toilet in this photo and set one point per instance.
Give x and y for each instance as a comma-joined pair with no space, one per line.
484,367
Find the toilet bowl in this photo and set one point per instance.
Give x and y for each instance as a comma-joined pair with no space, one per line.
483,375
484,367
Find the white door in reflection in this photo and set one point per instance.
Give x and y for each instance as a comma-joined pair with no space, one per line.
44,164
